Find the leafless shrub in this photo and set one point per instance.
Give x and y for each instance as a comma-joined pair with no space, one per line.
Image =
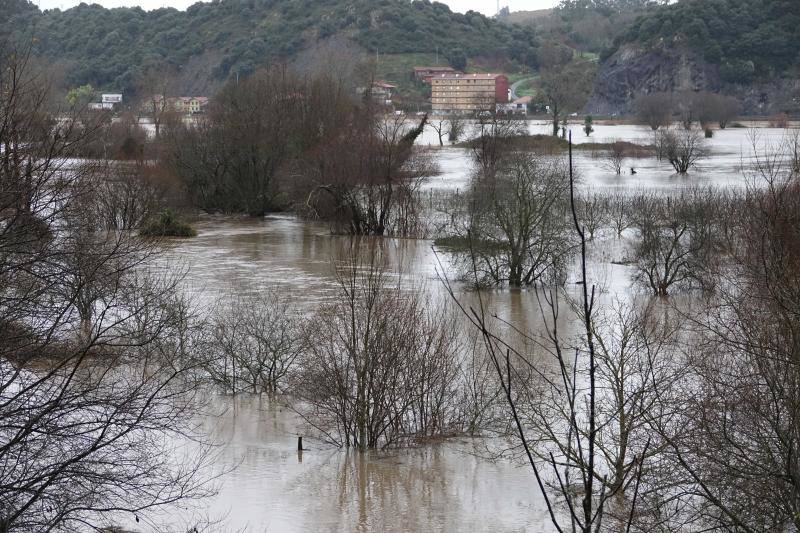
381,366
682,148
592,212
654,109
615,157
126,194
254,343
618,206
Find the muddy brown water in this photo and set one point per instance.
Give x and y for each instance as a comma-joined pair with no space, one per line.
445,486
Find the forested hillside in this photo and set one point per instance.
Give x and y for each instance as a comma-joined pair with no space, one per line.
108,48
748,39
747,49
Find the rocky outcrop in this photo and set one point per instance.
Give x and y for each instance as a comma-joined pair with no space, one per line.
672,67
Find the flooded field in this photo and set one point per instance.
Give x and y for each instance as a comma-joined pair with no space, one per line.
729,150
444,486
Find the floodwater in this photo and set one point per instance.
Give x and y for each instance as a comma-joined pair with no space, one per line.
437,487
446,486
729,150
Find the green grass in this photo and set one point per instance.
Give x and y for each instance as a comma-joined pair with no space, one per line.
528,88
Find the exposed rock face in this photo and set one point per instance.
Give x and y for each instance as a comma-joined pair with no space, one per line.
632,71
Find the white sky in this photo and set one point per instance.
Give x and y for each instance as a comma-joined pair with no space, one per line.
488,7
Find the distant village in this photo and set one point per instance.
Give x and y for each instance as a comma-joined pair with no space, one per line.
452,92
455,92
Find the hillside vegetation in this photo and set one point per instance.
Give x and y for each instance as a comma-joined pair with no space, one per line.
748,39
109,48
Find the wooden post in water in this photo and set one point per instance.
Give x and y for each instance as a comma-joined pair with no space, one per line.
300,444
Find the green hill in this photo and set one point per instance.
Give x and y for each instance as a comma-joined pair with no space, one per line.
748,39
108,48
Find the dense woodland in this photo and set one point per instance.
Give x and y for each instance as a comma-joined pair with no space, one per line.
748,39
108,48
212,42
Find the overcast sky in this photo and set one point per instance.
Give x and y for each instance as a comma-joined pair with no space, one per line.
488,7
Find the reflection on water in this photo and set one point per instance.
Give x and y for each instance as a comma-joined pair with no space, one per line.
438,487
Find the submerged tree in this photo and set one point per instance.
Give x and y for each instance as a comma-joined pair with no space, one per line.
254,343
582,421
683,148
513,230
371,190
381,366
654,109
231,161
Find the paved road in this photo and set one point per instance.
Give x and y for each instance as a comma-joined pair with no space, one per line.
515,86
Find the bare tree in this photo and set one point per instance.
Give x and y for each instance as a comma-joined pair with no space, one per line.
734,445
573,440
615,157
232,160
654,109
365,191
566,88
592,212
254,343
155,87
514,226
457,127
618,211
87,422
381,367
682,148
126,194
675,241
440,125
710,107
492,141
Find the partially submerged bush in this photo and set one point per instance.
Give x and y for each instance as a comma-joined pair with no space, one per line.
167,224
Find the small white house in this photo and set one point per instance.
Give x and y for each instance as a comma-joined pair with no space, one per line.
517,107
111,98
